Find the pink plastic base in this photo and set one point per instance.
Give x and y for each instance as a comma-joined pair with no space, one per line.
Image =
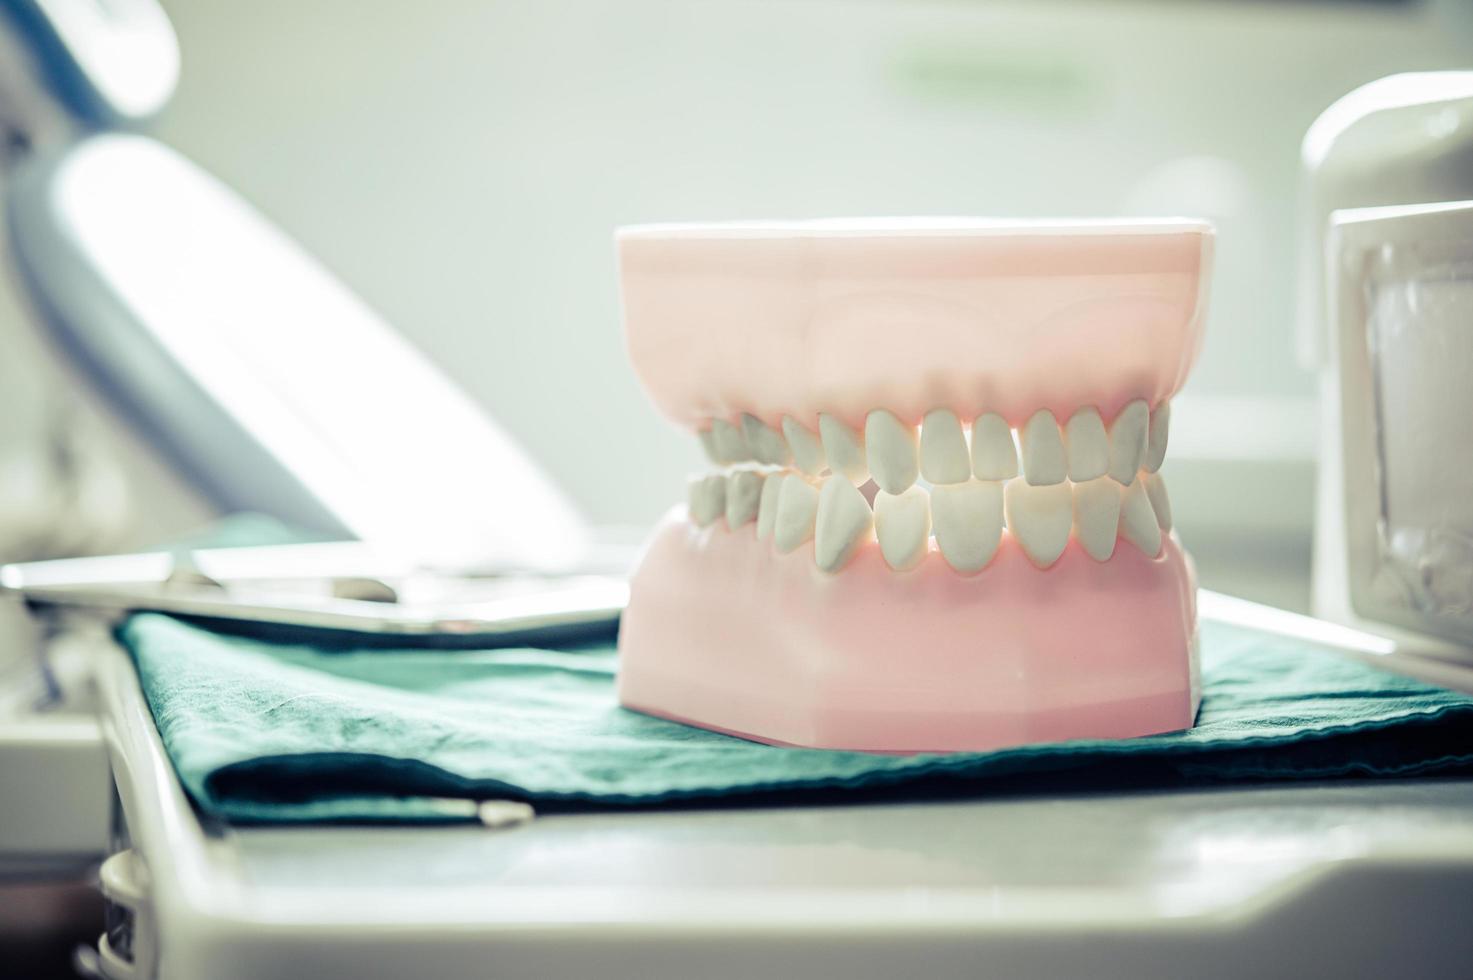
724,633
997,316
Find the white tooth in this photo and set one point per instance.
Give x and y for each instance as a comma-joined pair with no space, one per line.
695,498
1156,438
843,521
994,457
1097,516
968,521
767,505
708,444
743,493
1160,503
765,442
731,447
797,507
844,450
707,496
891,449
807,450
1039,518
1043,450
1128,441
1087,444
903,525
1138,521
944,448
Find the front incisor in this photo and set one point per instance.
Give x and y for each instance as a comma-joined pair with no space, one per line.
994,457
1044,461
944,448
1097,516
1040,518
1087,444
968,519
903,527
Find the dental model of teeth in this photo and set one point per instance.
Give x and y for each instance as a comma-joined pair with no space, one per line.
1100,481
935,519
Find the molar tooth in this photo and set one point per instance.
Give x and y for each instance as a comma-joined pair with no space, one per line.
708,445
891,448
797,507
944,448
1040,518
1128,441
968,521
1156,437
994,457
1138,521
765,442
743,493
767,505
1097,516
807,450
1087,444
730,445
707,498
843,448
1160,503
1043,450
903,524
843,520
695,499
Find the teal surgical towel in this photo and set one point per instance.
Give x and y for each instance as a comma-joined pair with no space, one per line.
276,733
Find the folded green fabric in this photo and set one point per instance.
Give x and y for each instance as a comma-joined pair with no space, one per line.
269,732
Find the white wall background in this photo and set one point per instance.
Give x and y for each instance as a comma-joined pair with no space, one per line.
462,164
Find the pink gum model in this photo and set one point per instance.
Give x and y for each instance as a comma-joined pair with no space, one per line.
786,605
836,317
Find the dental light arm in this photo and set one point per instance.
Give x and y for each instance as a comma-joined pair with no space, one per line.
111,63
265,380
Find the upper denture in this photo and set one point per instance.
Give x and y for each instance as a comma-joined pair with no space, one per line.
809,318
